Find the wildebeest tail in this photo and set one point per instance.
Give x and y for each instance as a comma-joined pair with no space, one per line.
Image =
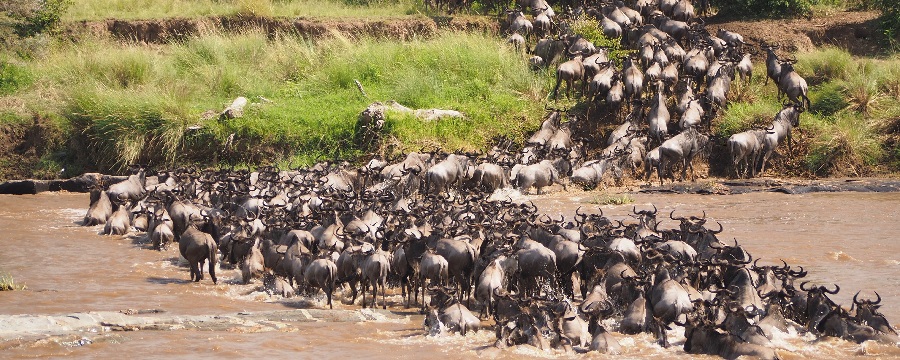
213,258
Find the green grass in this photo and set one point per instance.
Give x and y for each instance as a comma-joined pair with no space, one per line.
844,144
132,103
856,112
161,9
825,64
13,76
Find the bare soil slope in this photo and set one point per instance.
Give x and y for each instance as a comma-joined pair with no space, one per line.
855,31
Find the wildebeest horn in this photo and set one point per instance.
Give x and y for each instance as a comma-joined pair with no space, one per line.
832,292
854,298
785,267
719,231
671,216
579,214
799,274
803,286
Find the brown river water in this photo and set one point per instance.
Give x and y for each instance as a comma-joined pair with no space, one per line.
846,238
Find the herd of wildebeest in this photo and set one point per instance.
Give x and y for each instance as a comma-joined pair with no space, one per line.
438,226
670,55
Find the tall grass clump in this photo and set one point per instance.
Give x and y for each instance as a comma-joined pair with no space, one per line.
861,91
464,72
825,64
7,283
744,116
844,144
827,99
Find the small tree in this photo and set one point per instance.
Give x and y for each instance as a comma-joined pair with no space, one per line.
28,18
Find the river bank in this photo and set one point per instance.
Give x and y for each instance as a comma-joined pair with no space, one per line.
708,186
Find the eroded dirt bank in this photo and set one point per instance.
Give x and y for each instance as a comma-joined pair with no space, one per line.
168,30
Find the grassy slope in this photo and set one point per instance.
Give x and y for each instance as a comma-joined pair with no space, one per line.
852,127
136,103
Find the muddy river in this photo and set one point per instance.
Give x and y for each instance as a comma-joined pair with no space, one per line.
846,238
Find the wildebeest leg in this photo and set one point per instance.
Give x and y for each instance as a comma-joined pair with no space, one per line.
328,292
790,144
404,285
365,288
212,271
194,269
660,170
383,295
765,157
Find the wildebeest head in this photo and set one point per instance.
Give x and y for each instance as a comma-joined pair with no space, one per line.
818,305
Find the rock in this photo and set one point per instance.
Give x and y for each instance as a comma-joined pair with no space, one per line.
82,183
24,187
235,110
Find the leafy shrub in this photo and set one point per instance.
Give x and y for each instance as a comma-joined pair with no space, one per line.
32,17
591,30
890,20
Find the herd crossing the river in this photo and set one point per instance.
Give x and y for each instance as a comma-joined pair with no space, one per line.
435,225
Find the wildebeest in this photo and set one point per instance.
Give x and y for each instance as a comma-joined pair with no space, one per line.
570,72
449,313
745,149
539,175
198,247
681,148
448,172
785,121
130,189
99,210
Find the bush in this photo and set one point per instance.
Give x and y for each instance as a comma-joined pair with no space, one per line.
32,17
890,20
591,30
